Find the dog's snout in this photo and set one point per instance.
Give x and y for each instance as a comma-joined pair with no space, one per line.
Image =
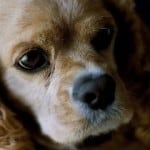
96,92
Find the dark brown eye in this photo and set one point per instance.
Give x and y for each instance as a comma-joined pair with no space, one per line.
102,38
33,60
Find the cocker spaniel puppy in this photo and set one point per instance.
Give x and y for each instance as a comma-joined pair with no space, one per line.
80,69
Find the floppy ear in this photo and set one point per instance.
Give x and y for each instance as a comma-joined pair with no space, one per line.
132,54
132,41
13,135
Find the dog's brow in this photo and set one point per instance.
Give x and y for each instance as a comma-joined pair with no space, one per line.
88,26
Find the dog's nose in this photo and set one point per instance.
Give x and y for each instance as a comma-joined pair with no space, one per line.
96,92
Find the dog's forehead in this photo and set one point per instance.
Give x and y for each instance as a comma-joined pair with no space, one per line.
49,14
29,10
64,7
74,8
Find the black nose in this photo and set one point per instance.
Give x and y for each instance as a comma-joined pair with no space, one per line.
96,92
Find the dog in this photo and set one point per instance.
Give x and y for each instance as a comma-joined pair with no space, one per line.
74,66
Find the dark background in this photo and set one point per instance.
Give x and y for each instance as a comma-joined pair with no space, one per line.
143,8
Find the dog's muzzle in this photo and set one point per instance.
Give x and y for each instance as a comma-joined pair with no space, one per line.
97,92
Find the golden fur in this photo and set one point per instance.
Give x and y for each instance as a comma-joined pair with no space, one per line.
63,28
13,136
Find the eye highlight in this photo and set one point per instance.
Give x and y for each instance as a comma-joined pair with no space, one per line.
33,60
102,38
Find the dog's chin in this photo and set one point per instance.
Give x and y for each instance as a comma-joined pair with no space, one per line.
90,129
91,135
87,141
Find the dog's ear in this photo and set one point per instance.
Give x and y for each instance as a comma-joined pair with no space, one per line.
132,53
132,41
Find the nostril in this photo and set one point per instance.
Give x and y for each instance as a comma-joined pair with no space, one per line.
90,97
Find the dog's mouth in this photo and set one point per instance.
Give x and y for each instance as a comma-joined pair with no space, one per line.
96,140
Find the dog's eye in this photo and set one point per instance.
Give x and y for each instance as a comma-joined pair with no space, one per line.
102,38
33,60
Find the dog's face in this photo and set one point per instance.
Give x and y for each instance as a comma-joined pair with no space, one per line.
58,61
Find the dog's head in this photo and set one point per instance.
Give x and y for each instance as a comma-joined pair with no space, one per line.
58,61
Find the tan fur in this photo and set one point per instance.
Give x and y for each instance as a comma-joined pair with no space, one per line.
13,136
63,28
